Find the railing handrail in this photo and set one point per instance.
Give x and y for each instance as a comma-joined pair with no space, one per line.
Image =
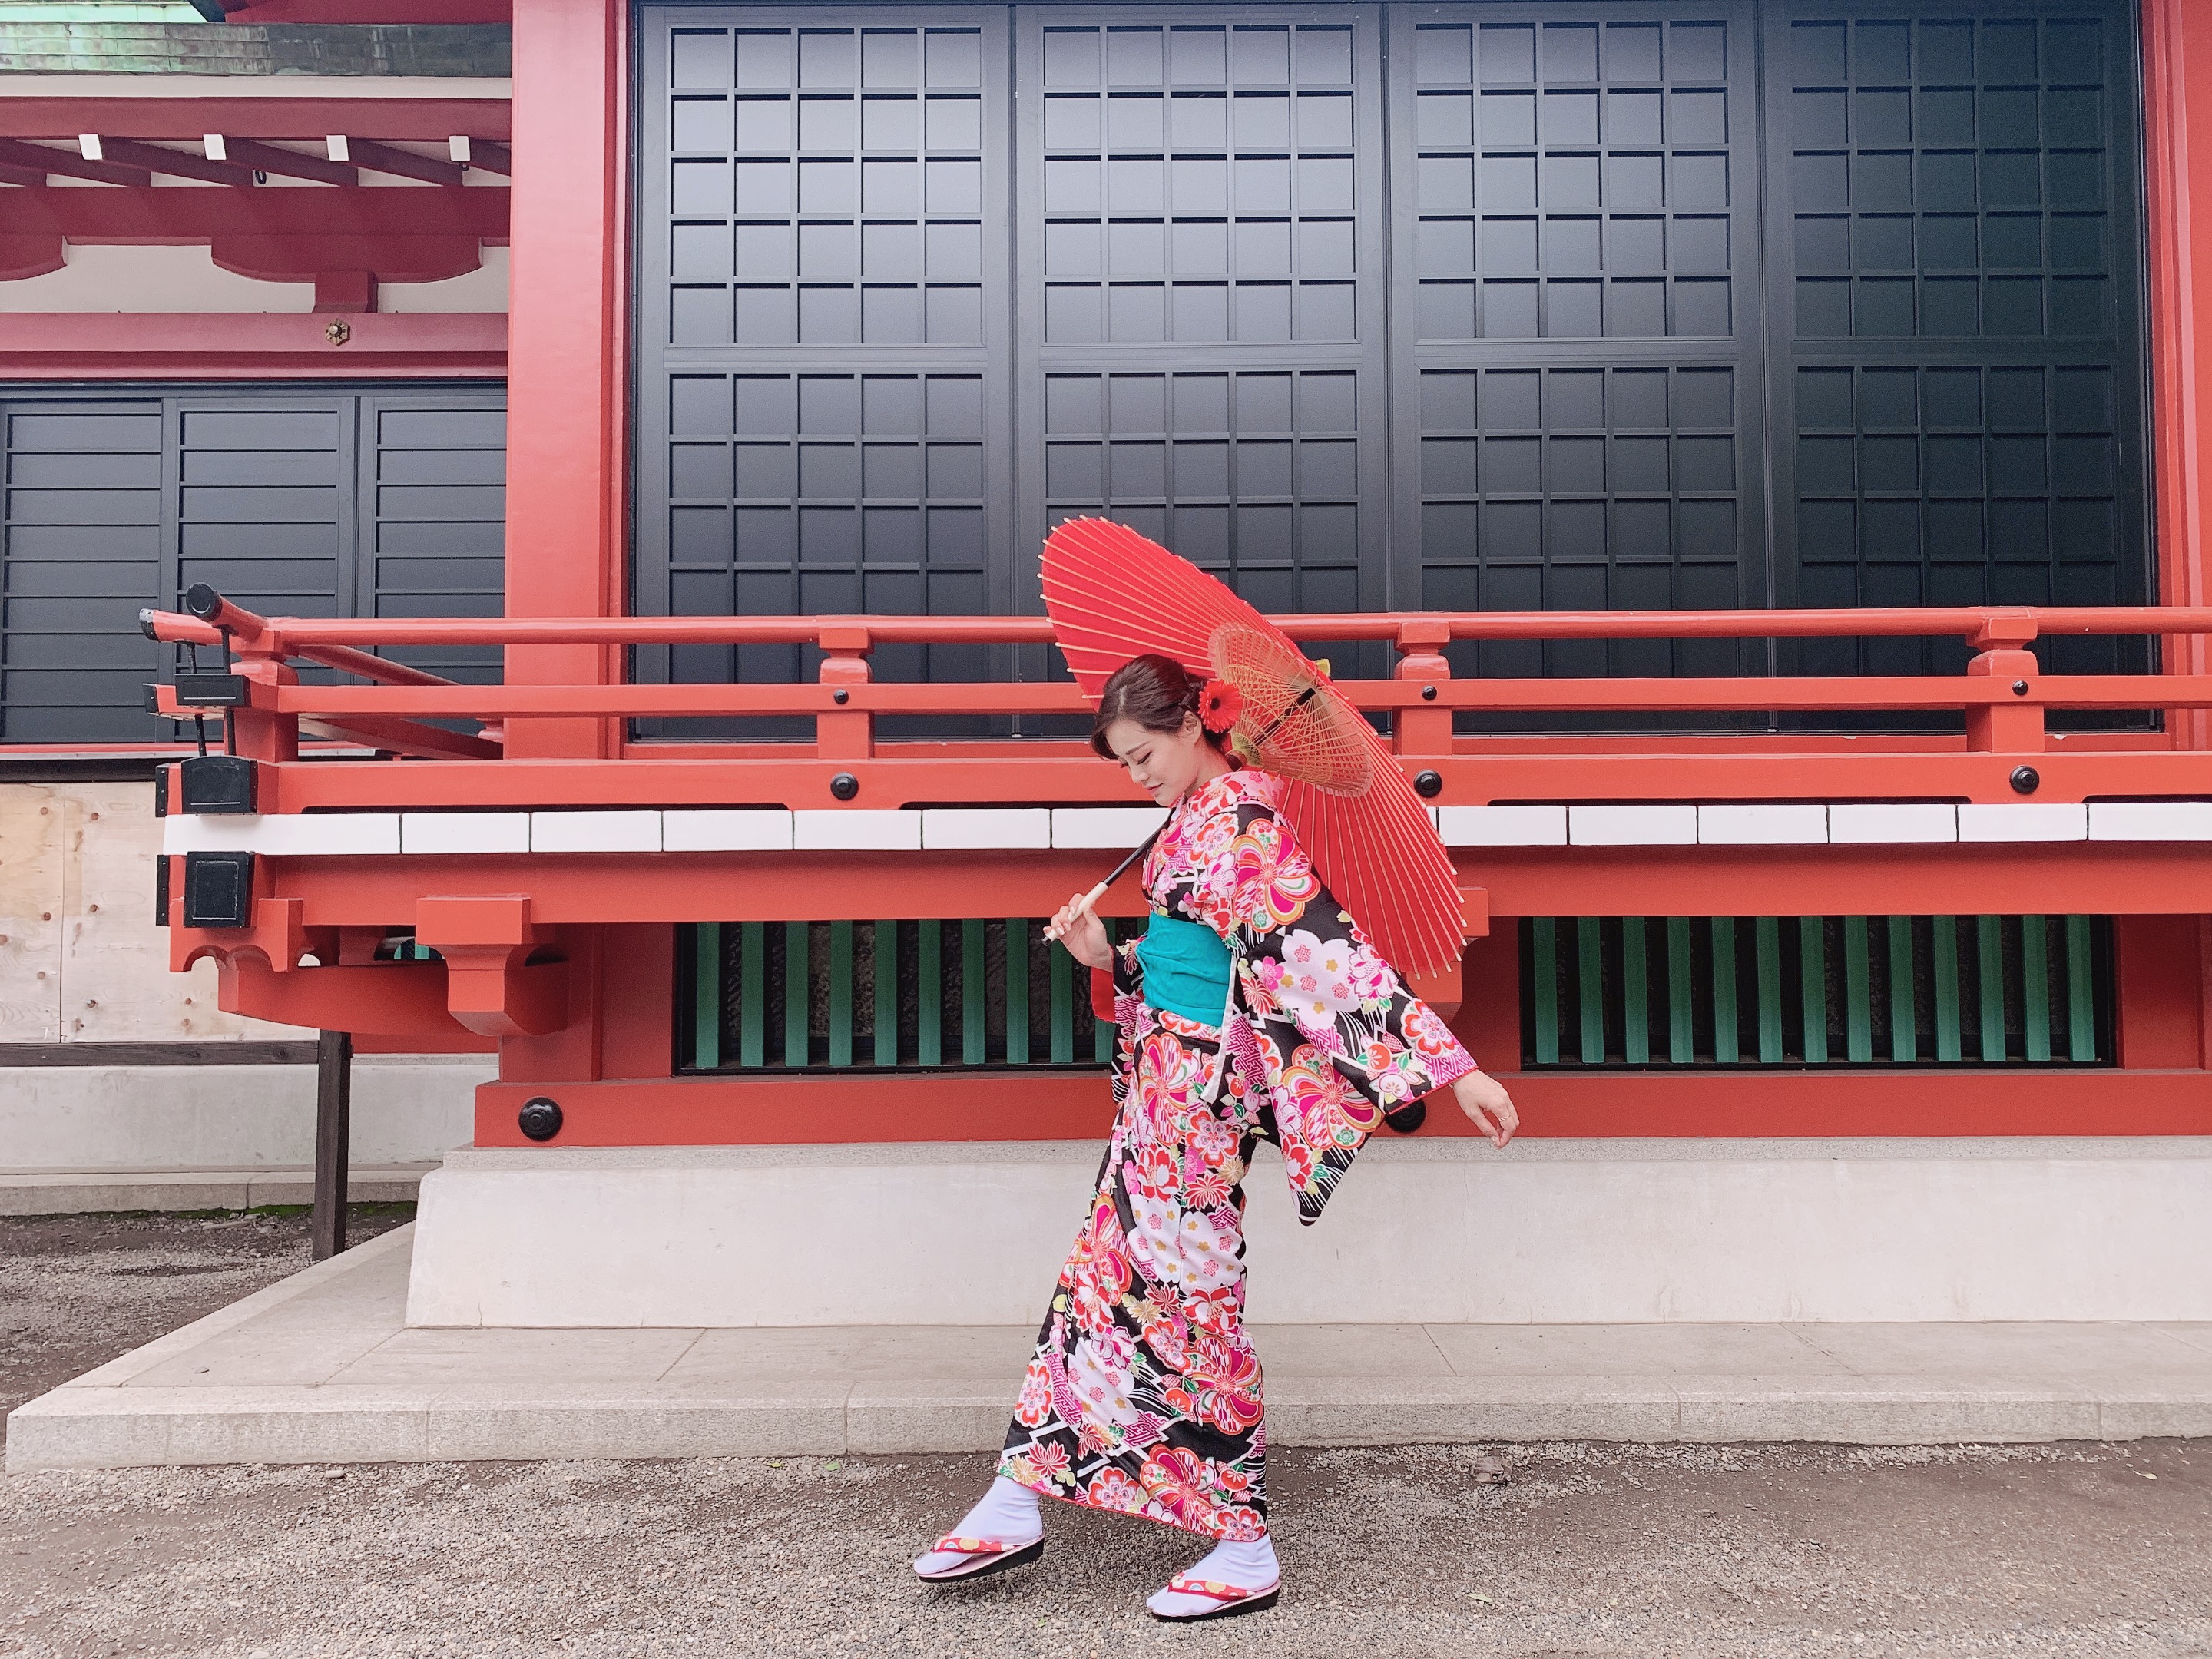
316,637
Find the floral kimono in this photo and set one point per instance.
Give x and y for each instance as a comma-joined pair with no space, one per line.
1144,1392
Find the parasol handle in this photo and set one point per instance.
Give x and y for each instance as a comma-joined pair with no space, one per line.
1098,892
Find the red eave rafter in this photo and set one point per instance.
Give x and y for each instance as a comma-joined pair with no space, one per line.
430,120
248,346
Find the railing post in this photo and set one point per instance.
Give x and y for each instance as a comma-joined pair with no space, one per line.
2014,727
326,1226
1423,731
262,733
849,735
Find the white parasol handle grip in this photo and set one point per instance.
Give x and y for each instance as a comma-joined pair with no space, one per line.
1083,905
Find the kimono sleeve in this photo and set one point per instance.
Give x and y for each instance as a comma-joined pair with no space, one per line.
1340,1039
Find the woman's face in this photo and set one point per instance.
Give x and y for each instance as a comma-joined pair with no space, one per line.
1166,765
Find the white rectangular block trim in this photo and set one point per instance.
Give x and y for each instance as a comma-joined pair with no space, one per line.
1772,823
1104,826
595,832
286,835
952,828
861,830
1873,823
2150,820
464,832
1502,826
2008,820
1632,826
727,830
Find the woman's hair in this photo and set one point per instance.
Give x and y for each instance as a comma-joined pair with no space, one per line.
1156,693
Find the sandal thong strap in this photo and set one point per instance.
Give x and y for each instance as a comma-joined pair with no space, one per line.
1214,1589
954,1544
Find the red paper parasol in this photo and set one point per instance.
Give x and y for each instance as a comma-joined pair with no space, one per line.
1114,595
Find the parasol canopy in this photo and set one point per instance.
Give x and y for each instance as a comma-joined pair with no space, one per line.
1114,595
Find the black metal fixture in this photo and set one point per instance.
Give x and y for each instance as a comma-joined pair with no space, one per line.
1409,1117
218,889
213,690
840,694
539,1118
1428,694
1428,784
2025,780
220,783
844,786
2020,688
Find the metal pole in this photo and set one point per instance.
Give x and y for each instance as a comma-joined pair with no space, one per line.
333,1127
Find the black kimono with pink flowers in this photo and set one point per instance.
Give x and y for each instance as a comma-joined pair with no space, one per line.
1143,1394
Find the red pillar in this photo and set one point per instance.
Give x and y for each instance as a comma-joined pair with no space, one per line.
567,346
2178,165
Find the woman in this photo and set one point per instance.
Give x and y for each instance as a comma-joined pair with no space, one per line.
1253,1008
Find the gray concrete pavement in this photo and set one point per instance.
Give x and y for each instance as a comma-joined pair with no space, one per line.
1681,1552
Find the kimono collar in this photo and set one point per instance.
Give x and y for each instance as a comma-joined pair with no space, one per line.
1225,793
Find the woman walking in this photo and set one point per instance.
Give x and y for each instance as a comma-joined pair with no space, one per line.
1254,1007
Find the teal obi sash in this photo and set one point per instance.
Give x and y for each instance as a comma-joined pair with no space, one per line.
1187,969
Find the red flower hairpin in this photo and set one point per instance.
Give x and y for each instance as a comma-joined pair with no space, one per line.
1218,704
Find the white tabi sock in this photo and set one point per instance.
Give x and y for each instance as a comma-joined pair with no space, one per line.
1249,1565
1008,1512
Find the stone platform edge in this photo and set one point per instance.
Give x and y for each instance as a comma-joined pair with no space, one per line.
105,1419
109,1192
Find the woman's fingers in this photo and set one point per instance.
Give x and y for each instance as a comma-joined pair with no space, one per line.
1482,1121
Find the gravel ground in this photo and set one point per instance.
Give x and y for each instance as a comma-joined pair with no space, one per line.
1630,1552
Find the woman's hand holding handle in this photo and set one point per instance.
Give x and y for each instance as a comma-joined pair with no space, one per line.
1081,932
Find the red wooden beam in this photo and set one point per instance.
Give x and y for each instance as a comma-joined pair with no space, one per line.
269,158
428,119
567,378
401,163
176,163
1931,623
247,346
2178,168
69,164
956,1105
491,157
200,215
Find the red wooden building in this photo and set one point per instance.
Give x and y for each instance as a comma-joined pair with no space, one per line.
1748,454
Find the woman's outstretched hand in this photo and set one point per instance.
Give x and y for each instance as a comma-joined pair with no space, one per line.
1488,1107
1083,933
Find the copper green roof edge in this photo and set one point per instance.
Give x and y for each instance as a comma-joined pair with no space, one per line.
47,47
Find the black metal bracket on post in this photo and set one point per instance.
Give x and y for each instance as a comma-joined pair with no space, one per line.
333,1129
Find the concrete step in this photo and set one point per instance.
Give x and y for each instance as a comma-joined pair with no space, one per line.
85,1192
322,1368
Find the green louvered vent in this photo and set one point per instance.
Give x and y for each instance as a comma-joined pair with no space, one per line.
831,995
1851,991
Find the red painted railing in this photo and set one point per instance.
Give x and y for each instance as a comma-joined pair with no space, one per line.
2002,699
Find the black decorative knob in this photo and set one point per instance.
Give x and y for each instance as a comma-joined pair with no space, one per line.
2025,780
1408,1117
1428,784
1428,694
840,694
539,1118
844,786
2020,688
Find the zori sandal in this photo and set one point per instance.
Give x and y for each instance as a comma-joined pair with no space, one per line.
982,1557
1229,1600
